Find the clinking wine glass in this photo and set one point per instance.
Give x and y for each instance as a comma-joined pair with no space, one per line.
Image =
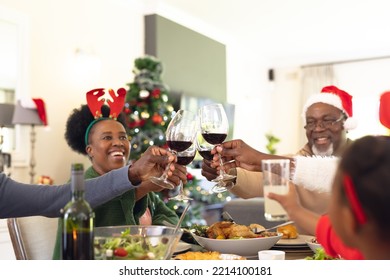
214,126
180,135
184,158
203,147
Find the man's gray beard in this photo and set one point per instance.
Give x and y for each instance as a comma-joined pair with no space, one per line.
326,153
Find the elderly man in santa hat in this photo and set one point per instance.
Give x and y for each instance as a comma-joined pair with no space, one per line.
327,117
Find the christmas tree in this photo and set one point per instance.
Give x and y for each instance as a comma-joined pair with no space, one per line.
147,108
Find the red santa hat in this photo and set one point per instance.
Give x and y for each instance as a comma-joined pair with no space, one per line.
384,109
336,97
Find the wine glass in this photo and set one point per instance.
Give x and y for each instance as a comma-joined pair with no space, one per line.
203,147
184,158
214,126
180,135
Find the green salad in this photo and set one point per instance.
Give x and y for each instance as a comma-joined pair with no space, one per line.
131,247
320,255
200,230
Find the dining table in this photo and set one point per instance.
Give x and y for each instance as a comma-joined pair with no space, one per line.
295,253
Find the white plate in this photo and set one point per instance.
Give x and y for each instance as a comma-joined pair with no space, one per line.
243,247
181,247
299,241
207,255
229,257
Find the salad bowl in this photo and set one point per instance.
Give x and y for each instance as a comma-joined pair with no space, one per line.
135,242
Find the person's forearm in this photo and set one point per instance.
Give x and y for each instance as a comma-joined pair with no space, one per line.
108,186
248,184
305,220
18,200
142,191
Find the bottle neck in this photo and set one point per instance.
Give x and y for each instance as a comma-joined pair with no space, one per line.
77,184
77,195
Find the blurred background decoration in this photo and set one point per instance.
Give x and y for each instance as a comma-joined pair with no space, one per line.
45,180
148,108
272,141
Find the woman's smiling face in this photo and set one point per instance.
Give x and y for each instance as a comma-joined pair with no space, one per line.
108,146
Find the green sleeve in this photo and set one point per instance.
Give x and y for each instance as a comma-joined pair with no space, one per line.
160,211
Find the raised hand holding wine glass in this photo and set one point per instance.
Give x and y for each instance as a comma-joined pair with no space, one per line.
180,135
214,126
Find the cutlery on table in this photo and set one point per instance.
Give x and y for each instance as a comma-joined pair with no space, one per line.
227,217
258,231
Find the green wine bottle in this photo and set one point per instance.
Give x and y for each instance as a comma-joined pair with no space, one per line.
78,221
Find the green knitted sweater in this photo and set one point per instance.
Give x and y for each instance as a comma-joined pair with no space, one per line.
123,210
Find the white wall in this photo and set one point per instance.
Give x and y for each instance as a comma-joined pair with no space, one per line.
259,35
112,31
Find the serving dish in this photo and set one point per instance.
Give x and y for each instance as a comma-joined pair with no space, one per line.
246,247
208,256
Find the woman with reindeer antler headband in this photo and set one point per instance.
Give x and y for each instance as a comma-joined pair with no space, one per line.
20,200
98,131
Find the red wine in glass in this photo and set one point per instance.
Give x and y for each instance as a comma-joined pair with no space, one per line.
180,135
214,138
184,160
179,146
206,154
204,147
214,126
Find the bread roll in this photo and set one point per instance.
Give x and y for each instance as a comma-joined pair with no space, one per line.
288,231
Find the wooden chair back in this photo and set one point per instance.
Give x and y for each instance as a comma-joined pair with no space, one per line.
33,238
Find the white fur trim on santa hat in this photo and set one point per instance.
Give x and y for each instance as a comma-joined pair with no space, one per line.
327,98
315,173
331,99
350,123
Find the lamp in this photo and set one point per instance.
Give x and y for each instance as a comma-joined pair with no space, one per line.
29,116
6,113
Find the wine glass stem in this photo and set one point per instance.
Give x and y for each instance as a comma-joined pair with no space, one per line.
222,171
164,176
181,187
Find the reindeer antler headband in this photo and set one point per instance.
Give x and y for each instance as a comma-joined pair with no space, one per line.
95,103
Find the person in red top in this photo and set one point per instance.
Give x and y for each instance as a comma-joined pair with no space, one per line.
359,212
357,224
